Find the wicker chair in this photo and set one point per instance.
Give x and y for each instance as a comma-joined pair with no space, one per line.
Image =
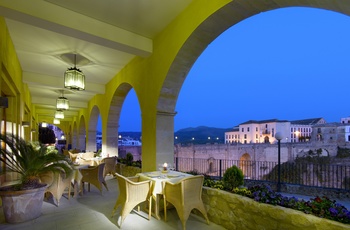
110,163
132,192
94,175
57,183
185,195
73,156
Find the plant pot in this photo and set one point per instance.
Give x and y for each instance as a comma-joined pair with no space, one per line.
23,205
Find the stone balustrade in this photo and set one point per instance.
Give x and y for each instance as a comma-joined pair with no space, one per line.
233,211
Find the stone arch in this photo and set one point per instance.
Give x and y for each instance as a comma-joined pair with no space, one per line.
113,118
82,134
246,165
208,30
91,140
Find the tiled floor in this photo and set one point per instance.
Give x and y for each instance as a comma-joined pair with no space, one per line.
93,210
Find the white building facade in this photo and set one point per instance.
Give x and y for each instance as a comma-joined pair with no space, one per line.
264,131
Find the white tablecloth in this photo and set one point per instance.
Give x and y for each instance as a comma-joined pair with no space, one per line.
157,179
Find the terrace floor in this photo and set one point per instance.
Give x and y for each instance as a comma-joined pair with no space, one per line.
93,211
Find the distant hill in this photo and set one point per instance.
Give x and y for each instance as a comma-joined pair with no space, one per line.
184,136
200,135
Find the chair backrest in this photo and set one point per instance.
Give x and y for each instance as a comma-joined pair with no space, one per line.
101,168
73,156
110,164
192,188
122,186
88,155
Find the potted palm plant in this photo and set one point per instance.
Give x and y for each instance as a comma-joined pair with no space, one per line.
23,200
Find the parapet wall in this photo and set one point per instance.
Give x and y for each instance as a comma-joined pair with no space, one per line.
233,211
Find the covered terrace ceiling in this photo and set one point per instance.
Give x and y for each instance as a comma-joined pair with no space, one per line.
108,33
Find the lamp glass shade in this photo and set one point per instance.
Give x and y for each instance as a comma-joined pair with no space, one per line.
74,79
56,121
62,103
59,114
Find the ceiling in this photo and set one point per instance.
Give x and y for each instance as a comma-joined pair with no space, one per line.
109,33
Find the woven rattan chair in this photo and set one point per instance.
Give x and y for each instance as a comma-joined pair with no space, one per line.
73,156
57,183
94,175
110,163
132,192
185,195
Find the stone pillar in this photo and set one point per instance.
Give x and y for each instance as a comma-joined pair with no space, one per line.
165,138
111,147
91,141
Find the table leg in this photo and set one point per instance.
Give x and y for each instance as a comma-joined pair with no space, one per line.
156,206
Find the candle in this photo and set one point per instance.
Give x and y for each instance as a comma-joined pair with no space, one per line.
165,166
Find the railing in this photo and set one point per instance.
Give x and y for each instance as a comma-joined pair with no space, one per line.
307,174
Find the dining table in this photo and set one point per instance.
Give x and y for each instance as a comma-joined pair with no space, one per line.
77,176
158,178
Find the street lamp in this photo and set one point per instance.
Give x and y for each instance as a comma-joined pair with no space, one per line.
279,137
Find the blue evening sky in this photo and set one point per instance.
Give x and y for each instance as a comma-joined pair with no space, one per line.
291,63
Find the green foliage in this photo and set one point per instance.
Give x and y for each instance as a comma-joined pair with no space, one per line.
233,178
129,159
314,157
31,160
343,152
242,191
290,173
218,184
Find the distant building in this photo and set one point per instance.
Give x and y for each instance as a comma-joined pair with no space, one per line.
264,131
345,120
331,133
128,141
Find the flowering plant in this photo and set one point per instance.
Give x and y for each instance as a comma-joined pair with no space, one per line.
321,207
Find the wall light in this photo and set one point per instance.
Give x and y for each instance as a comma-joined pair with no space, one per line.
25,123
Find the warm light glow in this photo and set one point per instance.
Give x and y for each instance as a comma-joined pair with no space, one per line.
62,103
165,165
59,114
74,79
63,137
56,121
43,124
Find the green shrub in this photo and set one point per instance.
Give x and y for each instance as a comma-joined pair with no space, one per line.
218,184
233,178
129,159
343,152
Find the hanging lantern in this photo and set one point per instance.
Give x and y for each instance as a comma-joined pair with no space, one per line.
62,103
56,121
74,78
59,114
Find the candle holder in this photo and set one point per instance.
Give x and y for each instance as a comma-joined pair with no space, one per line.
164,168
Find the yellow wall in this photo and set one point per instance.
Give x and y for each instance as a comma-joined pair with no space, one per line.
146,75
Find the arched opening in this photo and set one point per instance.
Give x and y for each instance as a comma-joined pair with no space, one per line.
246,165
232,14
131,113
91,145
